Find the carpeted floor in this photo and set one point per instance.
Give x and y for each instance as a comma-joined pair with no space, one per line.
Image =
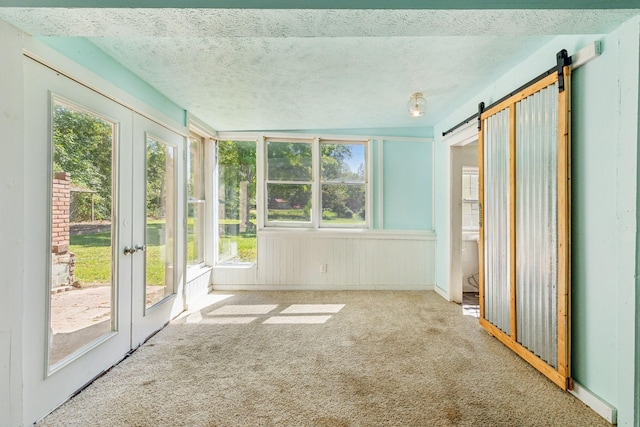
354,358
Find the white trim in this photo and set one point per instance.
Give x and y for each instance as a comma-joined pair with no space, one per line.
196,125
441,292
433,184
302,136
464,135
250,287
65,66
332,233
602,408
380,184
316,184
196,271
261,184
211,201
586,54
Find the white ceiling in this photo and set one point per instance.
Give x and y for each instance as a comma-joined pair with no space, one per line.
248,69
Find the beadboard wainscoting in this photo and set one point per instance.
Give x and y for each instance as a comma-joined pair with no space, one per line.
198,282
322,259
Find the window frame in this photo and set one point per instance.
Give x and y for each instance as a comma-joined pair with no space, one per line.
315,222
266,181
199,199
470,170
365,183
215,234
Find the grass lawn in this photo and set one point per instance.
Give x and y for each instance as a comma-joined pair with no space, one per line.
93,256
246,247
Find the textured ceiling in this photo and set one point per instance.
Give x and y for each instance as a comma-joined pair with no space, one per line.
315,69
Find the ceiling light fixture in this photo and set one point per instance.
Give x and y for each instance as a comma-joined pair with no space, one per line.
416,105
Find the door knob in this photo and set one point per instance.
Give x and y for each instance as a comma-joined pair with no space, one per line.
129,251
141,248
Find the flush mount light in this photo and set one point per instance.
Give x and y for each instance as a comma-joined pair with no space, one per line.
416,105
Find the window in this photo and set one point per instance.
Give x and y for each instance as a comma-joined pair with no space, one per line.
82,252
316,183
196,201
236,202
289,181
343,183
470,205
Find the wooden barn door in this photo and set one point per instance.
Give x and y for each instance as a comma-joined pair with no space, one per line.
524,144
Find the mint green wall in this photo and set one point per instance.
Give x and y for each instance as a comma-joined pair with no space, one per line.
407,185
605,106
91,57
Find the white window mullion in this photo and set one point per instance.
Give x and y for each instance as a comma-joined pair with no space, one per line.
211,201
261,183
316,206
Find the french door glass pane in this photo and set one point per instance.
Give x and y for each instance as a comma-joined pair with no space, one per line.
160,221
236,202
81,234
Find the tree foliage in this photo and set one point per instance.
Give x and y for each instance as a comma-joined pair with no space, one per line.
83,146
236,164
290,172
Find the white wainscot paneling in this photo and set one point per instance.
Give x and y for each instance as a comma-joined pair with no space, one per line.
198,280
293,259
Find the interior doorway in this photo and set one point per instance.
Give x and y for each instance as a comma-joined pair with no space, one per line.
464,226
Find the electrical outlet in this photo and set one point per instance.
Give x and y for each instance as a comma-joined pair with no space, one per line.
323,268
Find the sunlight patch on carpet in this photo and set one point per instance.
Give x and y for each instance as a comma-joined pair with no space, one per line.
243,309
228,320
312,308
296,320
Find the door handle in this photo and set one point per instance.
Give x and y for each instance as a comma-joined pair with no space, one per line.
132,250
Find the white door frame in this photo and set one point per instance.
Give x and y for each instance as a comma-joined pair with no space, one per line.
464,135
43,388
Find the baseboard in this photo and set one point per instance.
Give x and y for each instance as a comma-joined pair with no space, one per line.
444,294
601,407
220,287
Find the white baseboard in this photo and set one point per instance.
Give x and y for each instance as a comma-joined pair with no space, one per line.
444,294
601,407
221,287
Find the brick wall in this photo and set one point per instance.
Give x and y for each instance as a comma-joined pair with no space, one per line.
62,261
60,212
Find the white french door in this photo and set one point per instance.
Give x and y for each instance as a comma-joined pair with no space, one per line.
105,239
156,267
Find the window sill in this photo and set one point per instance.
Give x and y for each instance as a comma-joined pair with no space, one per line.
349,233
196,271
245,265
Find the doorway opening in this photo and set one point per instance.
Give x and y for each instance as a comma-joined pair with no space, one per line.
465,210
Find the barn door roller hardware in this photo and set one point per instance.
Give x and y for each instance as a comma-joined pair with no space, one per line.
562,60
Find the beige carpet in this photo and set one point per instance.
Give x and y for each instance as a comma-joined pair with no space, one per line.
324,359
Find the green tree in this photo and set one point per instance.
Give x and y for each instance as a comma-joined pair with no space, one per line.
83,146
156,177
236,164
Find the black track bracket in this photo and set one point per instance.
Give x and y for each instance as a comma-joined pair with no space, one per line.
480,111
562,59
